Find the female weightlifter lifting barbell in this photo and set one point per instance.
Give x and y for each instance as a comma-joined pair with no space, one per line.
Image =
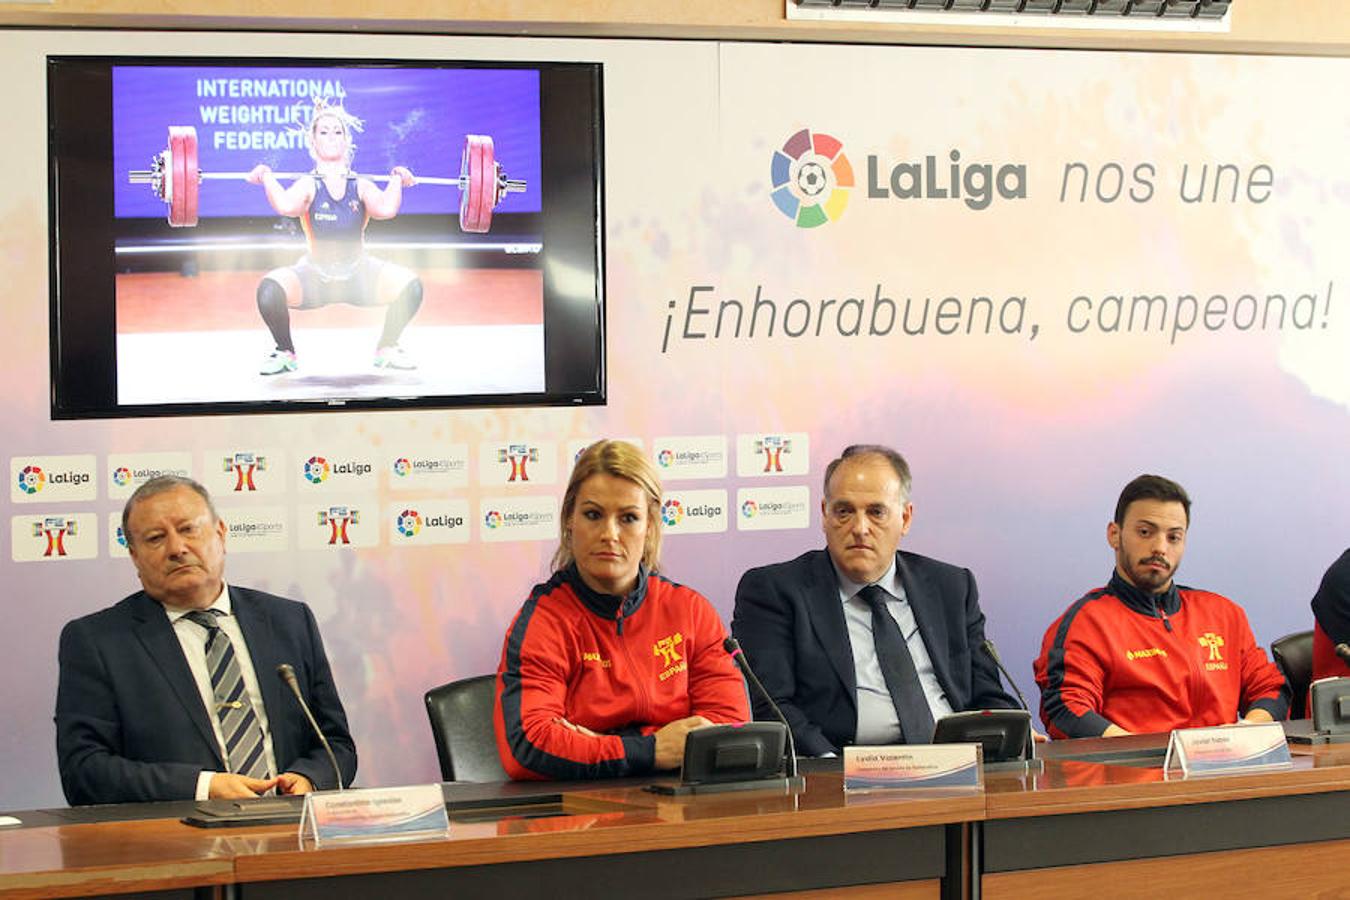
333,205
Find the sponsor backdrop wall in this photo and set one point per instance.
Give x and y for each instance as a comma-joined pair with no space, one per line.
1038,274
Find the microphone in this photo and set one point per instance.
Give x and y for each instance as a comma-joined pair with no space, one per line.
1343,651
733,648
990,649
287,674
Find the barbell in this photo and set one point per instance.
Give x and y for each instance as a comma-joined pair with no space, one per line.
175,178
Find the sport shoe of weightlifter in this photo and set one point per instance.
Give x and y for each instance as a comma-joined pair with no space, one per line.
394,357
277,362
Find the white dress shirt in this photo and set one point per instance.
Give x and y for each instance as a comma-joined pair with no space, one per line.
192,638
877,720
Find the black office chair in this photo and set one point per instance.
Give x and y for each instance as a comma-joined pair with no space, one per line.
461,722
1293,654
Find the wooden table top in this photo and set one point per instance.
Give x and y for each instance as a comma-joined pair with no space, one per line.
74,859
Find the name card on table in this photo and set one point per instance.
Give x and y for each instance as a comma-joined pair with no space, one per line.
1228,748
911,766
374,814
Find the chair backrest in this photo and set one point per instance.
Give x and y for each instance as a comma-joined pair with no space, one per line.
1294,655
461,722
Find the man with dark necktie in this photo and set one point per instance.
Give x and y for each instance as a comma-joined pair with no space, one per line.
172,693
862,643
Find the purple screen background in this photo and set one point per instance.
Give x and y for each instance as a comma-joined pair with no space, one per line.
416,117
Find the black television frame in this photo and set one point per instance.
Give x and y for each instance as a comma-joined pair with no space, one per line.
82,299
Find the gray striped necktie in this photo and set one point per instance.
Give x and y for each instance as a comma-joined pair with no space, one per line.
238,723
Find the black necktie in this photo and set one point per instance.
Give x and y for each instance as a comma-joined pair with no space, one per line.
897,667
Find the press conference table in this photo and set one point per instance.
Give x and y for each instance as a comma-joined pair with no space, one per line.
1100,820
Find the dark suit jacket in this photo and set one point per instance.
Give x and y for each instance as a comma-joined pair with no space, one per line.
130,723
790,622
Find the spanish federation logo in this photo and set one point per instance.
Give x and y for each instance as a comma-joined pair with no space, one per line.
1213,642
316,470
402,467
773,446
518,455
672,512
243,465
811,178
31,479
749,509
665,648
338,518
492,519
409,523
121,476
54,529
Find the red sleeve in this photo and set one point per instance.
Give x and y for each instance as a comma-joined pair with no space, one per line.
1072,675
532,685
1263,685
716,689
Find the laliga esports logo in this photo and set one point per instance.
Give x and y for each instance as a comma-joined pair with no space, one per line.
672,512
665,458
402,467
121,476
773,447
493,519
409,523
317,470
811,178
337,518
54,529
518,455
243,465
749,509
31,479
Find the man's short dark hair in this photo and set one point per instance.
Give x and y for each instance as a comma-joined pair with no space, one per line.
1152,487
891,456
161,484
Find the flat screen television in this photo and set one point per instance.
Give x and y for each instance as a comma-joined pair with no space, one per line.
255,235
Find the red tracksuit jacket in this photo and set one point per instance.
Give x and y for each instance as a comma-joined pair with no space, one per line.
622,667
1153,662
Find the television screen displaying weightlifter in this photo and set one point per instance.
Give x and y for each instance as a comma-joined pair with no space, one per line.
361,241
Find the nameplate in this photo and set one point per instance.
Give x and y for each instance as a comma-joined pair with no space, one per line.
374,814
911,766
1228,748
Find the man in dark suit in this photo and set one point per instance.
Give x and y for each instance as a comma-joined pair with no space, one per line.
862,643
172,693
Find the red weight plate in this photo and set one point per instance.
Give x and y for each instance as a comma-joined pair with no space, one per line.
475,205
191,181
174,174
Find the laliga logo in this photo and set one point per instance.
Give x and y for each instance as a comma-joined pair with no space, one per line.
749,509
672,512
121,538
773,447
31,479
811,178
518,455
316,470
409,523
337,518
402,467
493,519
121,476
665,458
243,465
54,529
